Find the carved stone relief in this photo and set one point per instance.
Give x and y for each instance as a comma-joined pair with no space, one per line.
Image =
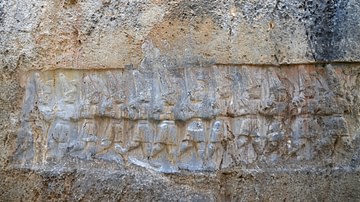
196,118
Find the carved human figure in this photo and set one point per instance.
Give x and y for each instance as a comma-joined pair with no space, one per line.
167,91
91,96
85,145
192,148
336,86
334,138
67,102
224,89
139,146
300,94
68,89
325,101
164,152
59,139
44,90
112,137
246,93
350,78
119,132
157,102
198,85
114,98
248,141
253,89
201,92
106,102
305,131
214,148
45,104
35,119
120,98
139,103
275,145
63,128
275,98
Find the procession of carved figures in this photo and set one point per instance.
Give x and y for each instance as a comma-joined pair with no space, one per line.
201,118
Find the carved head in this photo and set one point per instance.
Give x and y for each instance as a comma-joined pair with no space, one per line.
217,126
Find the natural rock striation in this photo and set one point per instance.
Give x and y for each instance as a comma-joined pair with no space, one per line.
179,100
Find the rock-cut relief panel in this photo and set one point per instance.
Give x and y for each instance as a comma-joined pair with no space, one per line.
196,118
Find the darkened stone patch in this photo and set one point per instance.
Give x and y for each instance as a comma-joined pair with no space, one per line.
2,14
324,28
189,9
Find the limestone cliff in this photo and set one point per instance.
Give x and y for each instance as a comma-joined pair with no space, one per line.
179,100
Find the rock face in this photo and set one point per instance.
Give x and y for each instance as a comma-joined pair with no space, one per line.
180,100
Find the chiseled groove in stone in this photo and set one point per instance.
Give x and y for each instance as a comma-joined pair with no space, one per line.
192,118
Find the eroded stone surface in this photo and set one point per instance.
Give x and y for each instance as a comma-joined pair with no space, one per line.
103,34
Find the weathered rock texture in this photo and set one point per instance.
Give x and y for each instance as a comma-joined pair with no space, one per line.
180,100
